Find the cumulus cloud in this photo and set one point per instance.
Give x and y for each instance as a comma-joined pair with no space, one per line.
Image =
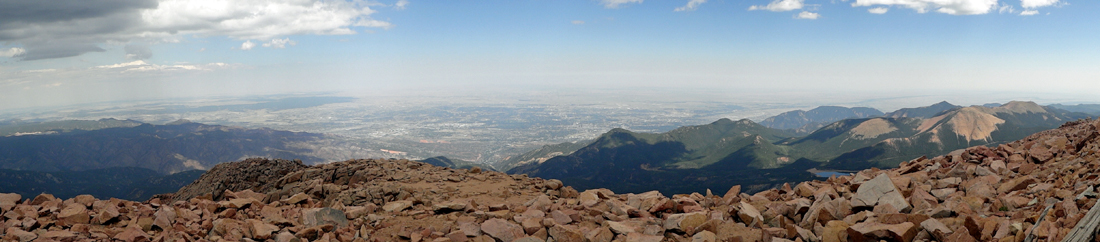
65,28
13,52
953,7
247,45
1037,3
1029,12
617,3
779,6
691,5
400,5
878,10
577,22
138,52
280,43
1006,9
807,15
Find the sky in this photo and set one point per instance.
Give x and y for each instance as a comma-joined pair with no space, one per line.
65,52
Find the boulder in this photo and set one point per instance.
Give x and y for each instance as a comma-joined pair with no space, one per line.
318,216
749,214
875,231
73,214
621,228
880,190
261,230
131,234
449,206
835,231
19,234
8,200
564,233
502,229
639,237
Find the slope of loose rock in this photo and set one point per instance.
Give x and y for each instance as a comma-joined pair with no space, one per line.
977,194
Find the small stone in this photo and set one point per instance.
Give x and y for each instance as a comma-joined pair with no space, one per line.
396,206
705,236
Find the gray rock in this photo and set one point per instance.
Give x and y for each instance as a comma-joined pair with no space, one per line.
319,216
880,190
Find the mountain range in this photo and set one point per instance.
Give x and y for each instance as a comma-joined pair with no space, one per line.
129,159
169,148
735,152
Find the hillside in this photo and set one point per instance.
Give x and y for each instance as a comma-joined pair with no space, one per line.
804,122
1037,188
956,129
728,152
443,161
165,149
130,183
541,154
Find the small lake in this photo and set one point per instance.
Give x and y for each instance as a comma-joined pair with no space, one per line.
831,173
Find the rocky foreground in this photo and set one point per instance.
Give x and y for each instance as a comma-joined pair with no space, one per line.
1038,187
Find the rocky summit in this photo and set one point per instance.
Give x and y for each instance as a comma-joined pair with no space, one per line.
1038,188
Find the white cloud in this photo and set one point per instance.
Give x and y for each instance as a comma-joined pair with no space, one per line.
13,52
142,66
878,10
577,22
953,7
807,15
400,5
257,19
247,45
617,3
280,43
1006,9
1037,3
691,5
1029,12
121,65
779,6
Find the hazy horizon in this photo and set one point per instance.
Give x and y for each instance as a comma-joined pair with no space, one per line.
799,52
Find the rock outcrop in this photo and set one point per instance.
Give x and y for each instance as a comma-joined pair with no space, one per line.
977,194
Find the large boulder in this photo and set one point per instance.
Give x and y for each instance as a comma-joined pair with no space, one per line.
880,190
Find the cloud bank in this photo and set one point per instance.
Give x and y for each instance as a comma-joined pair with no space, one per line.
66,28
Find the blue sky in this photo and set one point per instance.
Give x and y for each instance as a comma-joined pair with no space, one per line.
141,49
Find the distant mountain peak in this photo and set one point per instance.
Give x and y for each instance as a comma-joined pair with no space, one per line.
808,121
923,112
1021,107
